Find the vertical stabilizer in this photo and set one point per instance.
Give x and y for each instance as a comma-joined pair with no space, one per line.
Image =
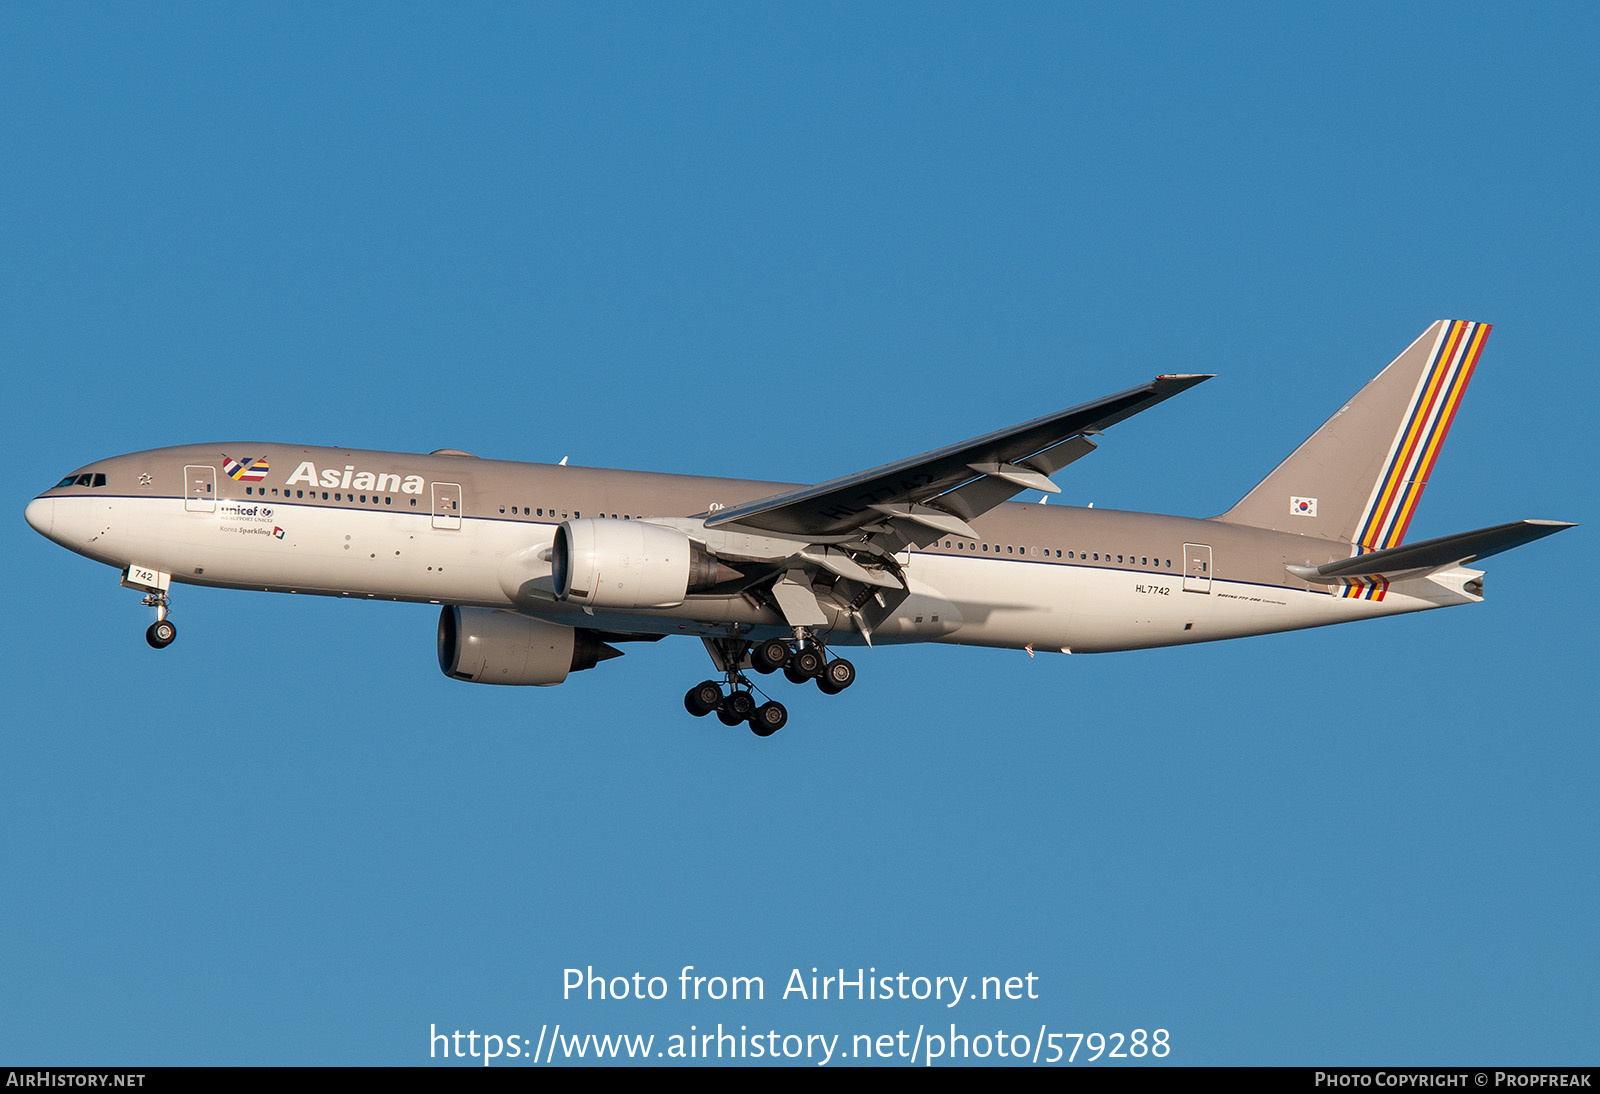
1359,478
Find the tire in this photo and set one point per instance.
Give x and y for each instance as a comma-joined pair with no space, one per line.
161,634
703,698
839,675
768,718
770,656
808,662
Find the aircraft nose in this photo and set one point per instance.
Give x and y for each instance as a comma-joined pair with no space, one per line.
41,515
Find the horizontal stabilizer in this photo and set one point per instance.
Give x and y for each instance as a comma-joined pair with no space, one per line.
1432,554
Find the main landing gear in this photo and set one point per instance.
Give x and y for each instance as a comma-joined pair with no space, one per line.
734,700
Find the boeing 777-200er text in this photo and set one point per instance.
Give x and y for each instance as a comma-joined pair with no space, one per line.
542,570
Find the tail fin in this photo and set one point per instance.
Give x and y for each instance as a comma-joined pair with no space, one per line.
1359,477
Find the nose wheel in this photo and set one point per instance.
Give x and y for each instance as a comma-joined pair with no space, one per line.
161,633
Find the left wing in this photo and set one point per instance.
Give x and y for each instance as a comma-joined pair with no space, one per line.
938,492
833,545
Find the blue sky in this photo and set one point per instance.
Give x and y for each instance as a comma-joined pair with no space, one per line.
790,243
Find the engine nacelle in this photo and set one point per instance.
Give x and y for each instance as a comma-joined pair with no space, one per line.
489,646
629,564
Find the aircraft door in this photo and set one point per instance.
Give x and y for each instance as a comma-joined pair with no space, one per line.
447,506
1196,568
200,489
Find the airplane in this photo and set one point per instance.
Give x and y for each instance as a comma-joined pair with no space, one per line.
542,570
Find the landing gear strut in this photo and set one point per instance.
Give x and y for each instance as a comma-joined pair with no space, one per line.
733,699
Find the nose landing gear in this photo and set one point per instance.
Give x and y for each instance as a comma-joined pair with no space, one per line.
154,584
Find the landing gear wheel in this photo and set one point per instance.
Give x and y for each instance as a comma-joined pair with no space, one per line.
808,662
768,718
161,633
736,708
770,656
839,675
703,698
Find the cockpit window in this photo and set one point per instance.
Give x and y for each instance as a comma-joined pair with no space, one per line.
88,478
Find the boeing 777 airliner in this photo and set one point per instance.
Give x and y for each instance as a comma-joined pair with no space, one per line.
542,570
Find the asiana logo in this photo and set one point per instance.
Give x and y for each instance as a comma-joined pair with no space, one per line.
349,478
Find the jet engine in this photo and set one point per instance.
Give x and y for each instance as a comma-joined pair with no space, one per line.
490,646
630,564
